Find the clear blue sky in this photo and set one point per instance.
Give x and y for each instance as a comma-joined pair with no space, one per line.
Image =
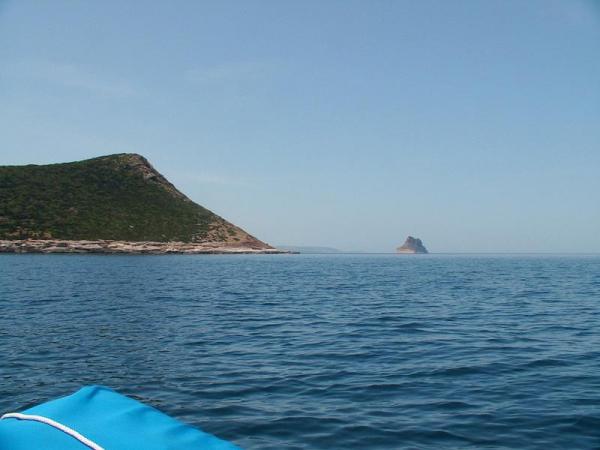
474,125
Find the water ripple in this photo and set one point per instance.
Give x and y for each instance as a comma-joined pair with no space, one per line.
318,352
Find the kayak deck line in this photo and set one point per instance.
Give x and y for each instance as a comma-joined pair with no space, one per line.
59,426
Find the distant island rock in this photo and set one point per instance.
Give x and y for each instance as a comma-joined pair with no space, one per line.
110,204
412,245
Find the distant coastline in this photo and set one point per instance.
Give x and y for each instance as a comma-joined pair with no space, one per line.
309,249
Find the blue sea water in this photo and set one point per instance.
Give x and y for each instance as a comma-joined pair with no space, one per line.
318,351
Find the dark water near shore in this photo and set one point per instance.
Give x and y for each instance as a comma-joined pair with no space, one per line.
318,352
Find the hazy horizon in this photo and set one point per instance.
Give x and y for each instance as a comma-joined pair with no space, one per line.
471,125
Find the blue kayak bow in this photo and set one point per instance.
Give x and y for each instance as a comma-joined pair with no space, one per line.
98,418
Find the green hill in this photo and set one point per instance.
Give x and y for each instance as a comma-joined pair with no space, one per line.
116,197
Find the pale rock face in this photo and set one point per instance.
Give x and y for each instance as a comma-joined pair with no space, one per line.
412,245
153,248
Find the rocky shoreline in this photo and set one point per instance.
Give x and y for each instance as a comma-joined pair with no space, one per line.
128,247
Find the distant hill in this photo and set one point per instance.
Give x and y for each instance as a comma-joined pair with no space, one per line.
117,197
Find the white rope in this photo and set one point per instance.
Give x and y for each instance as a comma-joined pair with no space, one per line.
52,423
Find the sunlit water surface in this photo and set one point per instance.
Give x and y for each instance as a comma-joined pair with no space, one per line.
318,352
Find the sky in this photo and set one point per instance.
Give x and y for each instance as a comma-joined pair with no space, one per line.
474,125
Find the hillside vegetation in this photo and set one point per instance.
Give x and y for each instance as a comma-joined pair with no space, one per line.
116,197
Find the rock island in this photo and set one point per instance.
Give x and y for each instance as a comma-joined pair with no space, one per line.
412,245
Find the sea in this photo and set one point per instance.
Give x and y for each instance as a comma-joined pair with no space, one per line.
318,351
